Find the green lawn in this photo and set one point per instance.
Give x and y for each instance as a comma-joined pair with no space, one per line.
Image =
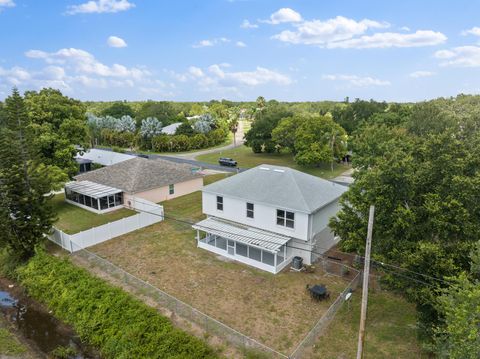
390,330
247,159
9,345
73,219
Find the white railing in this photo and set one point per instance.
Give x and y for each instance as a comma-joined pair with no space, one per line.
149,213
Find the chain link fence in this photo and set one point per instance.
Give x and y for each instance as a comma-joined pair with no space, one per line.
209,325
311,338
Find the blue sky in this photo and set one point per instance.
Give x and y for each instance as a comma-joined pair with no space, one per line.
240,49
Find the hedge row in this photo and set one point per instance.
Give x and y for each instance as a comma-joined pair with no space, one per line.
106,317
181,143
164,143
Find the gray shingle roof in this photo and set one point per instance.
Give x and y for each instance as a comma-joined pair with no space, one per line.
140,174
282,187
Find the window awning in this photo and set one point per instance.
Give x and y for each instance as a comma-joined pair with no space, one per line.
92,189
242,233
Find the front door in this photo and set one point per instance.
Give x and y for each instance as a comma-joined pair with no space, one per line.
231,247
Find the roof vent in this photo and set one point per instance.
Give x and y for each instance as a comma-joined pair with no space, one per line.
265,168
277,170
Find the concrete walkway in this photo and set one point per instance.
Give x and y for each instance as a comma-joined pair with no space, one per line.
345,178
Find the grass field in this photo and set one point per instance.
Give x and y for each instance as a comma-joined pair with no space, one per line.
73,219
390,330
274,309
247,159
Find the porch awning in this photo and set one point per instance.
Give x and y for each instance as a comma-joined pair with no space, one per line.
92,189
242,233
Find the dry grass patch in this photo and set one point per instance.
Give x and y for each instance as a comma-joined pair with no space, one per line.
274,309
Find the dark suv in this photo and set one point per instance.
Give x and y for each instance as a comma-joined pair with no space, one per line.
224,161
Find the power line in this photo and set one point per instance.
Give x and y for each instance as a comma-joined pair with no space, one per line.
302,249
409,278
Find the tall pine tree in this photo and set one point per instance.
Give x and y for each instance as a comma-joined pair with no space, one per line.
25,210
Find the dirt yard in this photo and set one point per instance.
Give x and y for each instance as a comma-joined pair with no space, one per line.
273,309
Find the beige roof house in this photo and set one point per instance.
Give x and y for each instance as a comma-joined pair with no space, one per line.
155,180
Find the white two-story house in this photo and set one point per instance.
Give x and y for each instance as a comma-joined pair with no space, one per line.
265,216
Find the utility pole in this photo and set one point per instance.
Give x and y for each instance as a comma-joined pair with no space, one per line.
366,275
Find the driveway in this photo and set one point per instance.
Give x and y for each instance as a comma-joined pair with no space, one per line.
345,178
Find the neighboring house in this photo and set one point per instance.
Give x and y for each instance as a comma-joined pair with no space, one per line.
111,187
267,215
171,129
84,165
103,157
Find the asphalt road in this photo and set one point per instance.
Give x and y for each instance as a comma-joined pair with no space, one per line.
191,162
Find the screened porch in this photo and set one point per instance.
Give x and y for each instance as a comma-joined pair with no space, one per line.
261,249
93,196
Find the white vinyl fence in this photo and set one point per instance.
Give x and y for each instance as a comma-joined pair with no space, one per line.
149,213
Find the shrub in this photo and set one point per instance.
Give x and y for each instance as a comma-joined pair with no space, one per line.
269,146
256,146
180,143
199,141
185,129
161,143
63,353
106,317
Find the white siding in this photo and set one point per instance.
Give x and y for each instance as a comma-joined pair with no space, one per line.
321,218
300,249
265,217
322,242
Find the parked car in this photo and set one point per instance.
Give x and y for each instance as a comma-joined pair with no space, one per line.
225,161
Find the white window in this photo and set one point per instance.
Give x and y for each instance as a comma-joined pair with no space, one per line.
250,208
285,218
171,189
220,203
242,249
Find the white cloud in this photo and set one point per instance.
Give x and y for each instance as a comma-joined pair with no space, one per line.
405,28
473,31
463,56
210,43
203,43
342,32
284,15
217,78
6,3
100,6
240,44
444,54
357,81
195,71
418,74
82,62
15,76
317,32
248,25
115,41
391,39
78,73
259,76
